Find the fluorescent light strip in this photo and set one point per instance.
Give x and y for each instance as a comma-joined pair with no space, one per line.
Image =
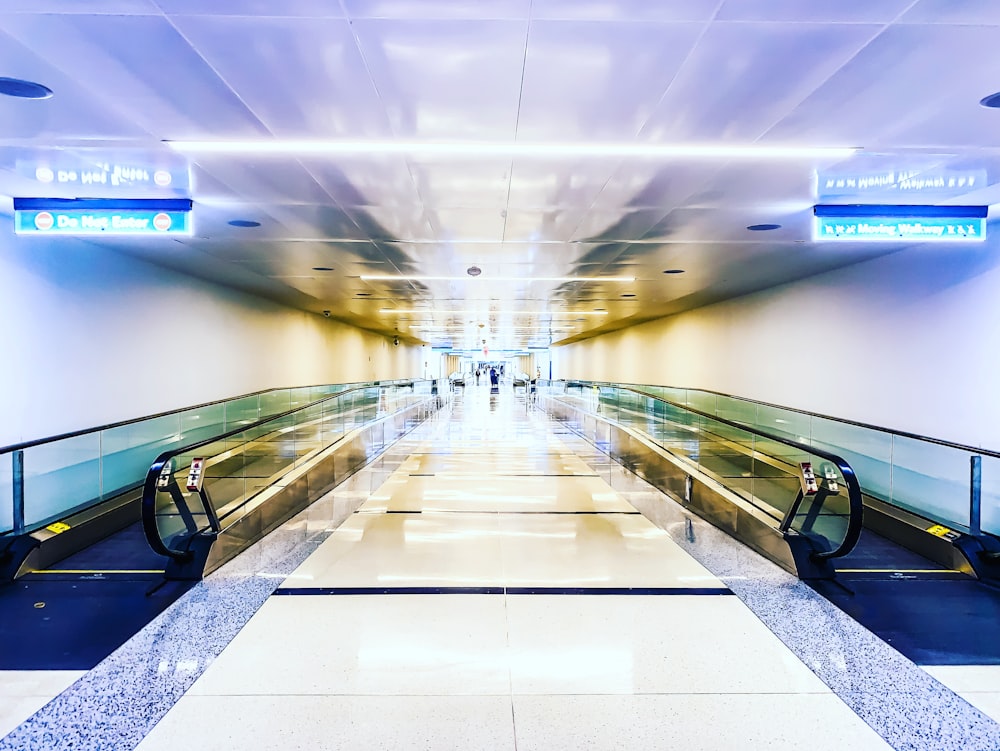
391,278
510,149
407,311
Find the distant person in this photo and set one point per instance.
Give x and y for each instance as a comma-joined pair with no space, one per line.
477,376
494,378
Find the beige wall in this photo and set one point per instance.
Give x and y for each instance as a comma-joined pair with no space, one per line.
90,337
909,341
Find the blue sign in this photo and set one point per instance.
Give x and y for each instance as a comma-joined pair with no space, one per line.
894,223
894,229
36,216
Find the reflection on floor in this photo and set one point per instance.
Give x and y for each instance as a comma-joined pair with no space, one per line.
489,584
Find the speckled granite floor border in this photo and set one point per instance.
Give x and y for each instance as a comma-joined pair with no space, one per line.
116,704
905,705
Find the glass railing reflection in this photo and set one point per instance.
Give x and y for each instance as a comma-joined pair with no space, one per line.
238,468
927,477
66,475
764,470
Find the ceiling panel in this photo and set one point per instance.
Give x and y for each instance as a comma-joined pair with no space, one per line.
550,183
862,107
464,225
441,9
836,11
595,81
380,223
742,78
261,180
304,8
551,225
141,68
116,7
617,226
978,12
77,112
461,183
623,10
288,258
442,78
378,181
299,76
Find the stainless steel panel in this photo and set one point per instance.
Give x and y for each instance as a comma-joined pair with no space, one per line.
670,476
347,458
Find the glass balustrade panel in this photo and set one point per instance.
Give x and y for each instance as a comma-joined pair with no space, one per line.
60,477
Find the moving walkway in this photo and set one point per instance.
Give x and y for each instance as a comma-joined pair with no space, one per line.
913,556
82,576
204,503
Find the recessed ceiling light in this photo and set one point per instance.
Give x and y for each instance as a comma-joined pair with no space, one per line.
674,271
763,227
993,100
495,312
473,271
409,278
245,223
24,89
322,268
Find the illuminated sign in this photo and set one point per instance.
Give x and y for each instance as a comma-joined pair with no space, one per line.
91,216
864,223
111,176
931,181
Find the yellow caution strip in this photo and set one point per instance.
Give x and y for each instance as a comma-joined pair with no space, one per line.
897,571
98,571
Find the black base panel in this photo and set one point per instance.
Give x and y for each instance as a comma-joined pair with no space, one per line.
932,621
63,622
125,549
875,551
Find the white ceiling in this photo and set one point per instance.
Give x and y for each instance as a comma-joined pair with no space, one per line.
901,79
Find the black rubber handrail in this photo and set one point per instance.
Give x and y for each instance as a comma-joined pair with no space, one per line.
149,489
854,423
856,502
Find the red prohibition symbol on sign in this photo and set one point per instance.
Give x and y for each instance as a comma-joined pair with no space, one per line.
44,220
162,222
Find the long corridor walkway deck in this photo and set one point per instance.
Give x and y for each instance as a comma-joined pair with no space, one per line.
495,592
489,583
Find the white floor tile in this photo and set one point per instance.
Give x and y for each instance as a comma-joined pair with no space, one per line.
404,550
986,702
509,494
961,678
605,550
690,722
367,644
24,692
289,723
496,462
607,644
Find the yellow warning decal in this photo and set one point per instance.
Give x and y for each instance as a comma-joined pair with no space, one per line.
949,534
58,527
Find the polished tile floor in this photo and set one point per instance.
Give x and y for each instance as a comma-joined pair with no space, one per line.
514,640
489,583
